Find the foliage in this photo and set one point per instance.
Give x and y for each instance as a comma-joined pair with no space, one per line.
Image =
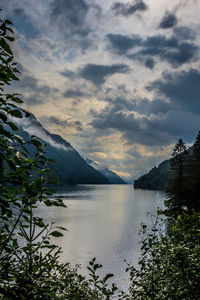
177,180
155,179
193,184
169,266
29,262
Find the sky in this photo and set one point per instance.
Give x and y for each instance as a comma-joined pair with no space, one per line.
119,80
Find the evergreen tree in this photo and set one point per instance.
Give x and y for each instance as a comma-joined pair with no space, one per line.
177,180
193,187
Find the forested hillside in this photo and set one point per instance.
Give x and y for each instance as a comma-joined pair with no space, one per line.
155,179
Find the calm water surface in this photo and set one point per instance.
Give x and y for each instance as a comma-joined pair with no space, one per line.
103,222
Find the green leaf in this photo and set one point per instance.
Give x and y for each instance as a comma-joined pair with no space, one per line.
10,38
8,22
3,116
56,234
12,126
11,164
35,268
5,46
16,113
36,142
62,228
10,29
17,100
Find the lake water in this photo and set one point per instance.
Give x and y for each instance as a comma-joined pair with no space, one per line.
103,221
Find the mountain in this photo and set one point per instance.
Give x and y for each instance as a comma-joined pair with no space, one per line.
155,179
110,175
70,167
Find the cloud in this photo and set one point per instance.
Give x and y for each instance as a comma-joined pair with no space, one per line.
182,88
150,63
75,93
176,49
173,114
121,43
160,129
19,12
184,33
75,20
176,53
68,74
33,92
168,21
33,127
68,122
97,74
128,9
71,15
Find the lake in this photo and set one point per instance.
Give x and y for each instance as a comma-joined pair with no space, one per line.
103,221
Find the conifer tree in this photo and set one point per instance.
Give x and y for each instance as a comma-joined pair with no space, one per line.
193,187
177,180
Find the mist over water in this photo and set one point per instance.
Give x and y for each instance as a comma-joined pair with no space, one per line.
103,221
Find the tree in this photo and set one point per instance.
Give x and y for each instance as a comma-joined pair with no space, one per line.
169,267
193,186
177,180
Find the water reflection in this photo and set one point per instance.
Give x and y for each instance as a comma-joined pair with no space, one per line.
103,221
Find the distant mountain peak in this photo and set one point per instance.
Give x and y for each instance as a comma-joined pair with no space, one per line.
110,175
70,167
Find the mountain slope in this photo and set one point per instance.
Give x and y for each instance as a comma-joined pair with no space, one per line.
155,179
110,175
70,167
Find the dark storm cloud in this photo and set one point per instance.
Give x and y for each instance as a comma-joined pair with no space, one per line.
182,88
121,99
128,9
160,129
121,43
176,53
19,12
169,20
70,123
134,130
184,33
71,17
75,93
97,74
161,121
176,50
34,92
150,63
68,73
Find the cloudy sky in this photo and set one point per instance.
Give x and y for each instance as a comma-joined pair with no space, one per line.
119,80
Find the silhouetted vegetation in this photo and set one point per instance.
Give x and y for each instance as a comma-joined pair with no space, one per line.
155,179
176,190
183,184
169,266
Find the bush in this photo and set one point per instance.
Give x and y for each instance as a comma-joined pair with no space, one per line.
169,266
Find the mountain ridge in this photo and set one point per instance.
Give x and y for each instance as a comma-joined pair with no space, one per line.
70,167
156,178
110,175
